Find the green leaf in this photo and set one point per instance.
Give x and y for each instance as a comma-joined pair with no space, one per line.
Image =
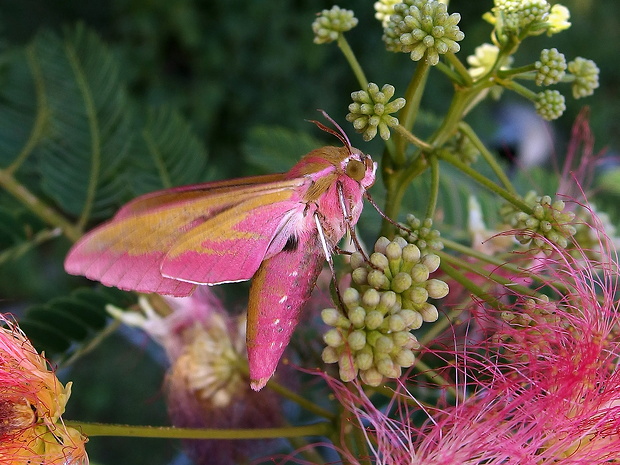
168,153
276,149
18,106
64,323
89,129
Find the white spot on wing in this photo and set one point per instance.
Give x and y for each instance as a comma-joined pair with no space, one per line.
283,299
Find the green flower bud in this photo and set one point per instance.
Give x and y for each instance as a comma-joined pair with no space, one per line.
585,73
419,273
333,317
357,340
346,367
424,30
381,245
351,298
401,282
371,111
405,358
549,219
333,338
371,377
550,104
422,234
357,317
379,261
437,289
373,320
330,355
429,312
431,262
364,358
371,299
396,323
360,276
329,24
412,319
551,67
357,260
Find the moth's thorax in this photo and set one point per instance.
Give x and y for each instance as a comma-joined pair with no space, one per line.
327,166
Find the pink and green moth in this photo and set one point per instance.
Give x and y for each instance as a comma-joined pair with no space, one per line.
276,229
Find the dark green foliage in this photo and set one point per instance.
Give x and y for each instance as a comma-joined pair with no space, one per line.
57,326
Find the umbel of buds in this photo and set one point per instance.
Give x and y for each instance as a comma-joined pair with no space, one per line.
371,335
549,222
424,29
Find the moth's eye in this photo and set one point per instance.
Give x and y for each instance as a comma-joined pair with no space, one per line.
356,170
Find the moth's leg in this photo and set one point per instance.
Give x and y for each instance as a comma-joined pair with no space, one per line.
328,257
384,216
349,220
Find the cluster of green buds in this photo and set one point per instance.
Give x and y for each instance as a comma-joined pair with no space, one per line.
519,18
549,222
585,77
550,68
370,336
550,104
421,234
528,320
329,24
371,111
424,29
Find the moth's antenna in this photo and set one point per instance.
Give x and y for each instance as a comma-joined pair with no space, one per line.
340,134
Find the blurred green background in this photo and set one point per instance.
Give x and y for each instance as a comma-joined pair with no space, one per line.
237,70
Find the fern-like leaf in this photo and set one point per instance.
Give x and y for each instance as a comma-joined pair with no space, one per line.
64,323
167,154
89,132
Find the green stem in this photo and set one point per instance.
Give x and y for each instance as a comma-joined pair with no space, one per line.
487,274
507,73
41,117
488,156
34,204
467,284
95,134
412,139
292,396
465,78
499,263
434,193
300,400
409,112
355,65
486,182
170,432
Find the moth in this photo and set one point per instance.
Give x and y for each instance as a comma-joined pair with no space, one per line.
276,229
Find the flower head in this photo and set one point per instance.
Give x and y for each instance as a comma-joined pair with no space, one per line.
329,24
558,19
389,299
519,17
549,223
538,385
32,400
484,59
206,385
550,104
550,68
586,77
371,111
424,29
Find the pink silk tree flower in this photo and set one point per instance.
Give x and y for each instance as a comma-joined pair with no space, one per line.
541,388
32,400
207,383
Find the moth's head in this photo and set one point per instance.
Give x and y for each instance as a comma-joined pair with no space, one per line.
356,164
